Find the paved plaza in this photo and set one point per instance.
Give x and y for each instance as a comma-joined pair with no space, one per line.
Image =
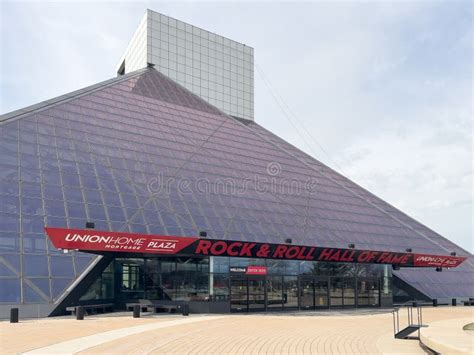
344,332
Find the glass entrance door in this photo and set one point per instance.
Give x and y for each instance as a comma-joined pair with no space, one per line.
307,293
247,294
256,295
321,293
238,295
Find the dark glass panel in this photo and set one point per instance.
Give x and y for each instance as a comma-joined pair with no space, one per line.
154,229
111,198
51,177
76,210
31,190
9,149
35,265
32,206
73,194
32,224
61,266
175,231
70,180
29,161
96,212
116,214
31,175
290,291
56,222
93,196
10,290
8,172
107,184
26,148
9,222
55,208
8,187
42,284
9,242
30,295
58,286
9,204
54,192
138,228
220,287
34,243
82,262
90,182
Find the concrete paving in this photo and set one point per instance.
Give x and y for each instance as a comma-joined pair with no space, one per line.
361,332
449,337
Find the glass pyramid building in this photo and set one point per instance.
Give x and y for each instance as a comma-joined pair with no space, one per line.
140,153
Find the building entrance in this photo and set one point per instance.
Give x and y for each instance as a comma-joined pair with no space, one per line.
314,293
247,294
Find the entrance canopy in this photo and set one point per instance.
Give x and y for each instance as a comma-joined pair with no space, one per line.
103,241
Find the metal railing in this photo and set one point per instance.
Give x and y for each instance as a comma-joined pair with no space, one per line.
411,317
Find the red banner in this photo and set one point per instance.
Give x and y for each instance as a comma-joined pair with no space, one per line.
437,260
101,241
92,240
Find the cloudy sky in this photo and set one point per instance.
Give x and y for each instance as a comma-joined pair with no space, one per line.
383,89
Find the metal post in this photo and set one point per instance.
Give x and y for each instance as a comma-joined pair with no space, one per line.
185,309
136,311
394,326
398,322
79,313
14,315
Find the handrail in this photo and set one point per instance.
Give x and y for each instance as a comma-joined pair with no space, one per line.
409,306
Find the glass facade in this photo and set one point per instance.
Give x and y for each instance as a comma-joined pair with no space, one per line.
142,154
215,68
288,285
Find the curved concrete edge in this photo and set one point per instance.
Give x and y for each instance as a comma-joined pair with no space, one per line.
448,337
83,343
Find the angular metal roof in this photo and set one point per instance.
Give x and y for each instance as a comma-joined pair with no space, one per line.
143,154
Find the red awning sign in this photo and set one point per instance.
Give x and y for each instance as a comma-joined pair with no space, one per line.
102,241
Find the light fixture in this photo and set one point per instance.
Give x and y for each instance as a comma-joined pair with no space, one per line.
202,234
408,250
453,253
351,246
288,240
439,269
90,225
395,267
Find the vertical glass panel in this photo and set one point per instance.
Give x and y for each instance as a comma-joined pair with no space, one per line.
34,243
35,265
256,294
32,224
62,266
336,289
42,284
290,291
307,293
239,294
10,242
274,292
349,292
219,284
321,291
10,290
58,286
